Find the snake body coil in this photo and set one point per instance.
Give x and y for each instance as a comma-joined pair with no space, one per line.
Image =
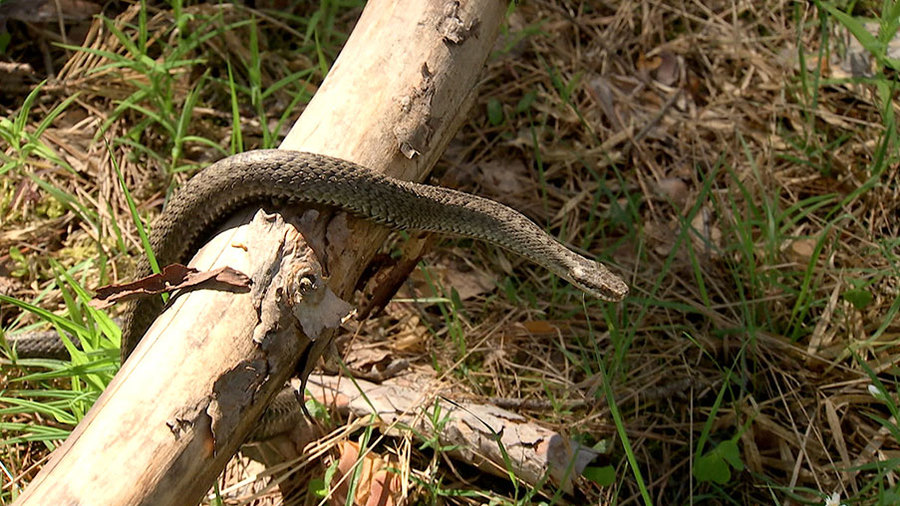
306,177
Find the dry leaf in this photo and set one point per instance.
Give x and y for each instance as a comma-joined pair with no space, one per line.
173,277
376,484
364,358
802,249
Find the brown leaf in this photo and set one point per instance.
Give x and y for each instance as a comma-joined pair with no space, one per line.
173,277
803,249
360,358
377,485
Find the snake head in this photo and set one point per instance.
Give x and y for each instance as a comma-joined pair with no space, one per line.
596,279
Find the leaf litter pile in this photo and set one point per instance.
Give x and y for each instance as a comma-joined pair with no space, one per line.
735,163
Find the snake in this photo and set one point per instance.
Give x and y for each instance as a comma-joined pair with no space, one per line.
303,177
310,178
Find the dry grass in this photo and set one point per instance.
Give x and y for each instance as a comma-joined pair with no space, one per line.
752,208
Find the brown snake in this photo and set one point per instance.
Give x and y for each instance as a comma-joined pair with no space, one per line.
311,178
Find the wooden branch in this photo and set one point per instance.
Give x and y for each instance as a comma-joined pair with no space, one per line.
405,405
195,386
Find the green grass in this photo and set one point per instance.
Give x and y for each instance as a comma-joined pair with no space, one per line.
62,391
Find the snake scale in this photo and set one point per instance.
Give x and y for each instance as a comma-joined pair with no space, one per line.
295,176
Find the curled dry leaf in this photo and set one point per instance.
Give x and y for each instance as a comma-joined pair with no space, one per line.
363,358
376,483
173,277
